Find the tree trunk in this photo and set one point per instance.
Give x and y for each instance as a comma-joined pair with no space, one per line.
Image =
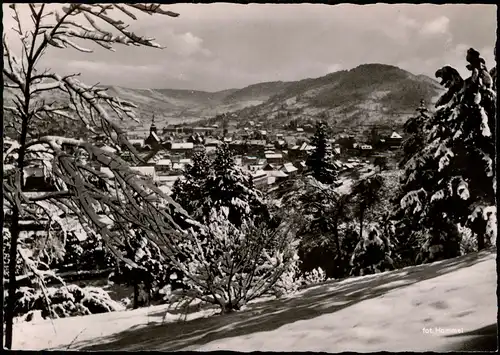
340,259
14,230
136,295
361,218
11,301
480,241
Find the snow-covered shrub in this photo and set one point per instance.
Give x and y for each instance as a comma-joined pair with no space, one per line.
321,211
289,282
468,243
151,271
229,266
314,277
65,301
372,254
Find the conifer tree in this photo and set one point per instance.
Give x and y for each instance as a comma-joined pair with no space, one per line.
229,186
451,180
319,162
415,130
216,184
189,191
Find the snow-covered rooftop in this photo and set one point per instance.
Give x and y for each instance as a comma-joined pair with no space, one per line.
183,145
289,168
276,173
165,162
274,156
178,166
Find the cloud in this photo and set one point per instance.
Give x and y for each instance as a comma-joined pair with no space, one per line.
186,44
332,68
407,22
218,46
109,68
436,26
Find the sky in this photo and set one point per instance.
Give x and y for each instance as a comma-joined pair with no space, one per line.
220,46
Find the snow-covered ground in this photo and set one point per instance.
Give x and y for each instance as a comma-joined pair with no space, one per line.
413,309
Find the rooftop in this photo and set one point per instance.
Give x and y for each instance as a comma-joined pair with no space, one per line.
183,145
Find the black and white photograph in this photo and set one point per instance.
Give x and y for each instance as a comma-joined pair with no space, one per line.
272,177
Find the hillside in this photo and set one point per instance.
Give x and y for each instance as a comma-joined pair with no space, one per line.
367,94
370,93
393,311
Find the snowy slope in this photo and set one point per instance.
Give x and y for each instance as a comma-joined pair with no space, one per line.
366,314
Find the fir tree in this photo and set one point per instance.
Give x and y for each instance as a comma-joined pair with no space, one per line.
229,186
319,162
217,184
189,192
450,181
366,194
415,133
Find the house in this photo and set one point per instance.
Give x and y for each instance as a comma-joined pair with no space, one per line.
275,176
250,160
148,171
289,169
300,130
268,167
183,148
274,158
300,151
259,179
365,149
212,142
394,141
163,165
280,144
309,128
36,178
269,147
204,130
278,174
169,180
178,167
256,146
186,161
238,146
174,129
271,181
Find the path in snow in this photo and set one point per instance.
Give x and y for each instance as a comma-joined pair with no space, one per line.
380,312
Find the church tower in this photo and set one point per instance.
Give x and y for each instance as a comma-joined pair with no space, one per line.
153,126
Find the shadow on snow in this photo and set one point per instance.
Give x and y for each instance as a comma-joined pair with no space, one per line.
264,316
